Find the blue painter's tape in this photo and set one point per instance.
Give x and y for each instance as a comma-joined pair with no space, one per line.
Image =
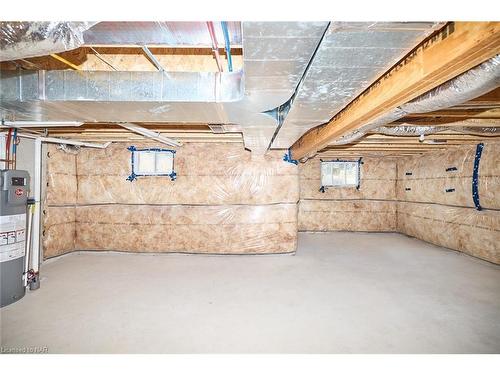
359,173
288,158
359,161
133,176
475,176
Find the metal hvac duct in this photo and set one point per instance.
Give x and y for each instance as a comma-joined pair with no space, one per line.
167,34
19,40
275,57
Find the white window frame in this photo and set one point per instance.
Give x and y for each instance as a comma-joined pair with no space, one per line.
161,160
330,179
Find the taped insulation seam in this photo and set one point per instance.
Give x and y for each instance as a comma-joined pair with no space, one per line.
19,40
224,202
469,85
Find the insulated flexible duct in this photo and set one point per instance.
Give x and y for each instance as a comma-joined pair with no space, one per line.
416,130
469,85
19,40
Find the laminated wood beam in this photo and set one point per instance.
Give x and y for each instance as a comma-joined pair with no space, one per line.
456,48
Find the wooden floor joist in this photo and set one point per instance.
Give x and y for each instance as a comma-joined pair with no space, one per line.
456,48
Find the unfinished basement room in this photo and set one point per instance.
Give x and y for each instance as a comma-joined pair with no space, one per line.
250,187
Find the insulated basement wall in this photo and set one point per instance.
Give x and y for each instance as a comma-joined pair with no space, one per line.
371,208
410,196
450,219
223,201
58,216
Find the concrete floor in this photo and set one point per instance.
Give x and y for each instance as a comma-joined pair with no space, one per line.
342,292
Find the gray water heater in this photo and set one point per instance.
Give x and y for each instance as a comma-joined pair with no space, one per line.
14,186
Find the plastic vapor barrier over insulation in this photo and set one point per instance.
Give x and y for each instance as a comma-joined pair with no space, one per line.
469,85
223,201
59,213
430,198
476,233
432,174
20,40
371,208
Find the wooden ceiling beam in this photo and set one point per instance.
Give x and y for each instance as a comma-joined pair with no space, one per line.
456,48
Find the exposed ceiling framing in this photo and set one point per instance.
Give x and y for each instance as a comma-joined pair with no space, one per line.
451,51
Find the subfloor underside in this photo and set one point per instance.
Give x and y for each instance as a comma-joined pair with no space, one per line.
341,293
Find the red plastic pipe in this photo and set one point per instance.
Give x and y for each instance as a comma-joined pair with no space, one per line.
215,47
7,149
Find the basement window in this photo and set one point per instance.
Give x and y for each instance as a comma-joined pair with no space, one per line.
151,162
340,173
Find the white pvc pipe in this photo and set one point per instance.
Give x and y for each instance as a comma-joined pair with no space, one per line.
40,124
27,254
37,188
150,134
65,141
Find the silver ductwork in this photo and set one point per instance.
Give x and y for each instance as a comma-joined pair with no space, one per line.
160,33
469,85
278,69
352,55
275,57
109,86
108,96
20,40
